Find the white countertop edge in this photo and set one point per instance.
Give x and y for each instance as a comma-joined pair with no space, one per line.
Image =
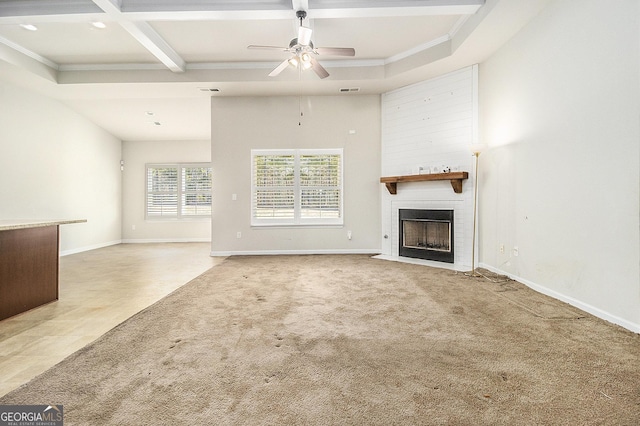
8,225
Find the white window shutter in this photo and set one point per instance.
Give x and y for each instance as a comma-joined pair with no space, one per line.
176,191
296,187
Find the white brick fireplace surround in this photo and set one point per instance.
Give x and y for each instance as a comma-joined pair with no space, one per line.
426,127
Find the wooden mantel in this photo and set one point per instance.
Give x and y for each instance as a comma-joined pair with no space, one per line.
456,179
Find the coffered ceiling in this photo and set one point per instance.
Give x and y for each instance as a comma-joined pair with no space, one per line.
118,61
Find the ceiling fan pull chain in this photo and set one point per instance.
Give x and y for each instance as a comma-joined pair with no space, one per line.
300,97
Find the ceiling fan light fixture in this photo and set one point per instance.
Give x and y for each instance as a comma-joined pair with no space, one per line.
294,62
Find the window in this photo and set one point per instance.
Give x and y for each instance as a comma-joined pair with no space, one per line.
178,191
296,187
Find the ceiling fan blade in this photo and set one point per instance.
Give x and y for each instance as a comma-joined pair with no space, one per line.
277,70
304,35
336,51
319,69
254,46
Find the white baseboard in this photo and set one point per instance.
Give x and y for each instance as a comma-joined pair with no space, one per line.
629,325
87,248
292,252
166,240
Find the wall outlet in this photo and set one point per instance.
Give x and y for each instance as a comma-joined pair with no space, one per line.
516,252
234,197
133,227
501,248
349,234
238,234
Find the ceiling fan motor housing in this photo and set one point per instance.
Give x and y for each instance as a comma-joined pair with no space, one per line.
293,43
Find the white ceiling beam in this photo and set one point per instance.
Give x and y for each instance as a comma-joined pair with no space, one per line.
56,19
145,35
211,15
29,53
383,12
234,15
155,44
257,15
300,5
29,62
111,7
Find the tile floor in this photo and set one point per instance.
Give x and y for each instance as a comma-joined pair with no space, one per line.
98,290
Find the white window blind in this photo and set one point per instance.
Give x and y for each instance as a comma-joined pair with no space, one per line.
296,187
176,191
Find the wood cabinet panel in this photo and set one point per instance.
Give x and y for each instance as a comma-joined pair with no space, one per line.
28,269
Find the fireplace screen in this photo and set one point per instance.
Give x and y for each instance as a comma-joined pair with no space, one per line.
426,234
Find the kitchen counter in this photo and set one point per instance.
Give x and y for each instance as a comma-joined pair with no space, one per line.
8,225
29,259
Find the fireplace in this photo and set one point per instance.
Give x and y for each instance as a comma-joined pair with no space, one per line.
426,234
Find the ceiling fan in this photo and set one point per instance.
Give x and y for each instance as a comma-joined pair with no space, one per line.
303,51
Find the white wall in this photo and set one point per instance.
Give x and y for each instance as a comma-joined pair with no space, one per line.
560,108
136,155
55,164
241,124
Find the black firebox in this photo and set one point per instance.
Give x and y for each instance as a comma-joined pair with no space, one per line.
426,234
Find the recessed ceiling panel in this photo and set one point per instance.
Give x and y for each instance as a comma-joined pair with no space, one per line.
373,38
381,38
46,7
225,41
79,43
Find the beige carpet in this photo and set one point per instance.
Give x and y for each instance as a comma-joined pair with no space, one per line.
318,340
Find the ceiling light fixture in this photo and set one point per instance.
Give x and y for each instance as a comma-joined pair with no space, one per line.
303,51
99,24
29,27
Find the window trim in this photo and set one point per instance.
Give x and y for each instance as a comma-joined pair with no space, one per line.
297,220
179,193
